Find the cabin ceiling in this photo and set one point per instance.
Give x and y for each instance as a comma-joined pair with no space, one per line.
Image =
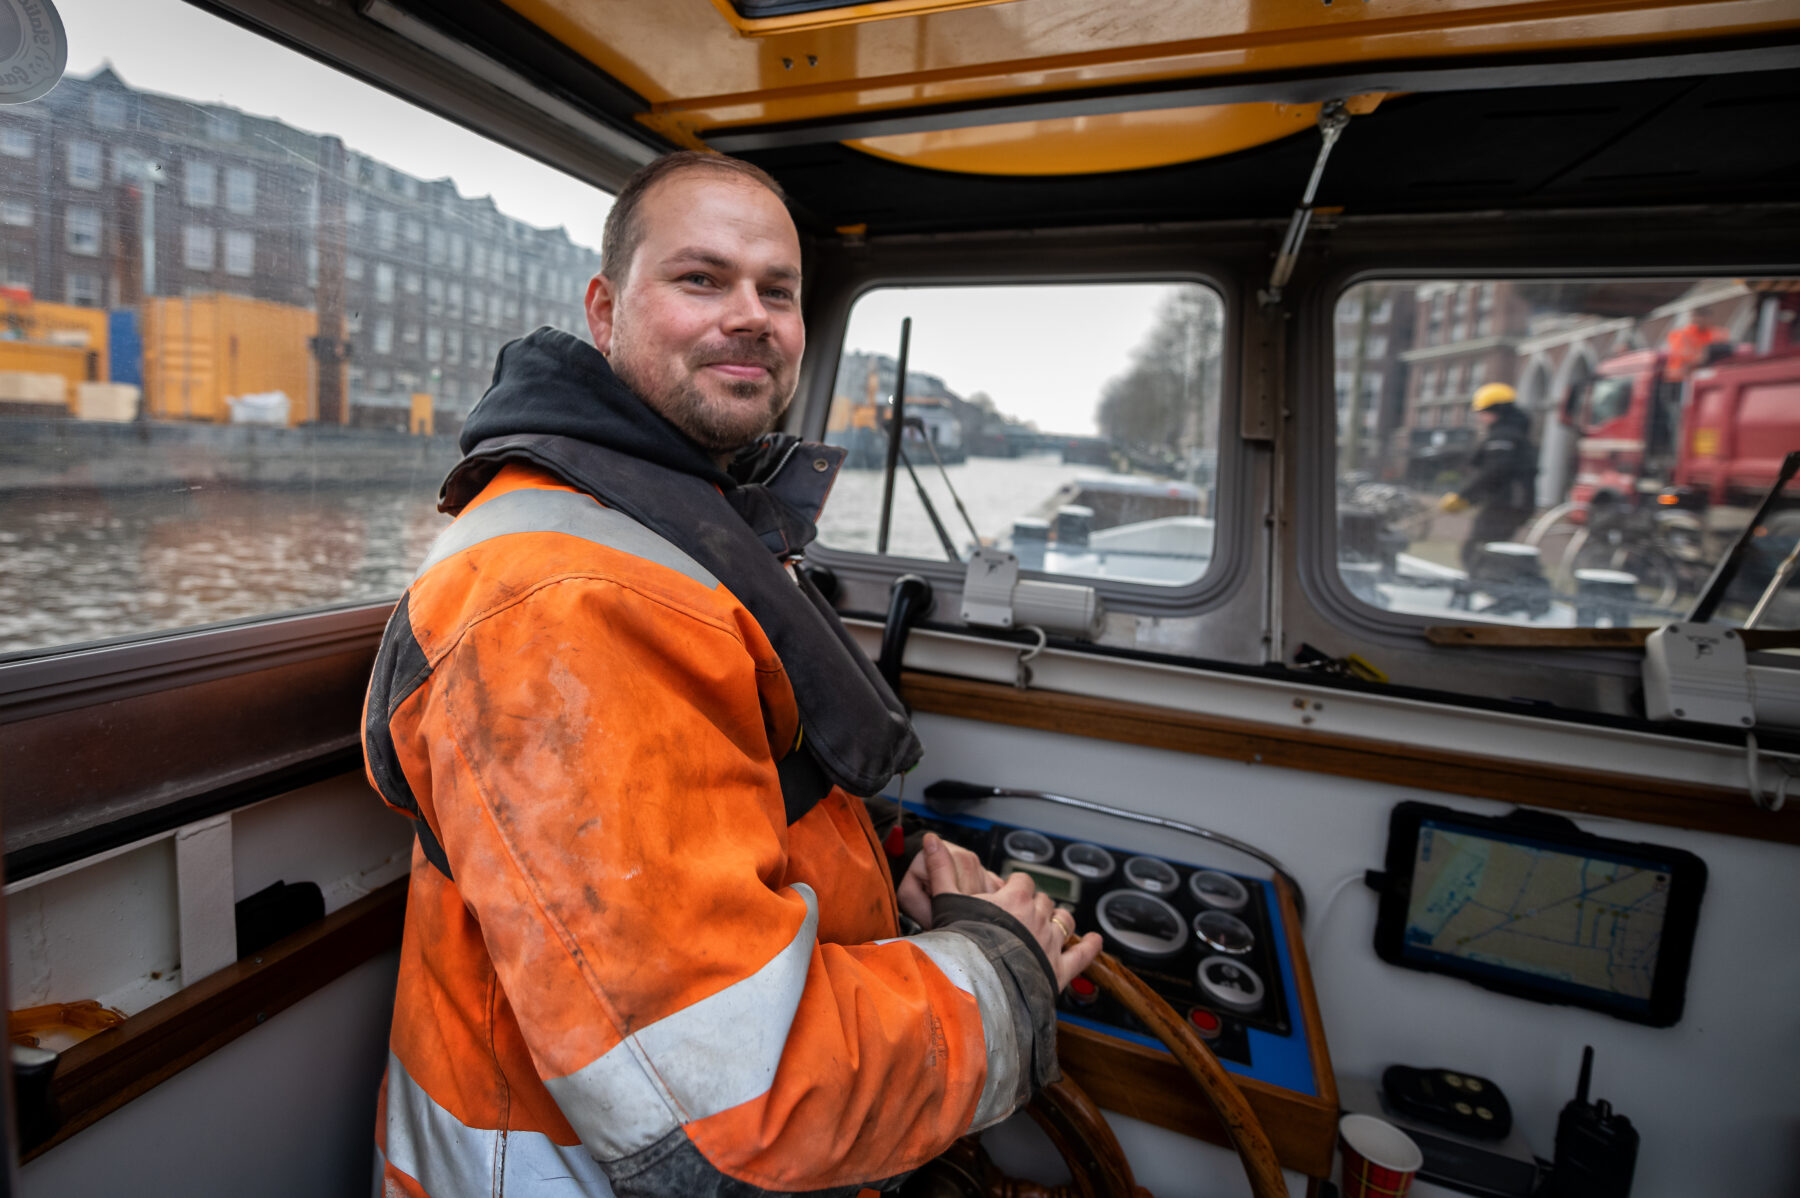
942,115
1725,139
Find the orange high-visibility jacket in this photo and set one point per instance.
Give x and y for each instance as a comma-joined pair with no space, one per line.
627,973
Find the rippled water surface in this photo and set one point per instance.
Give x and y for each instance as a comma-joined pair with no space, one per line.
85,565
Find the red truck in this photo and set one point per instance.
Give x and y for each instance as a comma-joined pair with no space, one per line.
1711,429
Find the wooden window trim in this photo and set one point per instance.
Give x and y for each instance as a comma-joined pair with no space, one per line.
1724,810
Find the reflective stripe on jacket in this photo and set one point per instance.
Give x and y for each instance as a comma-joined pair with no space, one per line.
629,970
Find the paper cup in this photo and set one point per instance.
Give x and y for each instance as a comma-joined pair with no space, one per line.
1379,1158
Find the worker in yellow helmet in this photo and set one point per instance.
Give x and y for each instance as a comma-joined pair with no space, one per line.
1503,468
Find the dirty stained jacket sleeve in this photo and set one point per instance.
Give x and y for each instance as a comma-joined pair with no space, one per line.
604,791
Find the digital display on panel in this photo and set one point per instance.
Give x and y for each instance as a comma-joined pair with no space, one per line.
1530,905
1521,905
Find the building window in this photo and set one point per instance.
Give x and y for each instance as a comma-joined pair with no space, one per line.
222,126
82,226
412,282
1477,373
384,336
107,110
434,246
353,321
240,190
386,225
434,297
1453,384
16,213
200,184
477,261
512,310
82,289
453,304
17,143
353,267
128,165
353,211
412,230
410,333
459,251
84,164
434,345
197,247
384,283
240,253
453,346
493,307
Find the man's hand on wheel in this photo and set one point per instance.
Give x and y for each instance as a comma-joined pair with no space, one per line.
1018,896
967,874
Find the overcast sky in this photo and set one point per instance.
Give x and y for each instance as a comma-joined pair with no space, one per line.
170,47
1042,353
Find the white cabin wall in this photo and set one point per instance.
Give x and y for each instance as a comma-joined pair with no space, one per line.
289,1108
1716,1096
285,1111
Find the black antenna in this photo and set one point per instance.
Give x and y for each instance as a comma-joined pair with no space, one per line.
1587,1074
896,430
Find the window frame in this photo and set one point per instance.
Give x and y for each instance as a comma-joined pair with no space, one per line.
1315,604
1154,260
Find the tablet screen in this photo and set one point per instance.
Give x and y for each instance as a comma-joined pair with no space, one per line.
1511,903
1530,905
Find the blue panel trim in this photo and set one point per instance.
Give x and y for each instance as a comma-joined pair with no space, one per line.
1284,1061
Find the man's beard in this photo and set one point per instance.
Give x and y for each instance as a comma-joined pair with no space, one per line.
715,426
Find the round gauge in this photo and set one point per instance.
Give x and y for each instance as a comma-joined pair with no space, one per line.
1022,844
1141,923
1088,860
1231,983
1218,890
1224,933
1147,873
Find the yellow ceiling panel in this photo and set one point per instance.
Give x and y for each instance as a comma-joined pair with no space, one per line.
1080,145
700,72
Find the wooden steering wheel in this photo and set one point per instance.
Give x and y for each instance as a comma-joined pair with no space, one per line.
1078,1130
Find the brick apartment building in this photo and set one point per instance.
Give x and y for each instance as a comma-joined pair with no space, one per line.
108,194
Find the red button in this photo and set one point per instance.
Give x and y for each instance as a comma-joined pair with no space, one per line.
1083,991
1205,1022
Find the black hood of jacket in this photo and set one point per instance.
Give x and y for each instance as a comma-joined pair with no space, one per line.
554,383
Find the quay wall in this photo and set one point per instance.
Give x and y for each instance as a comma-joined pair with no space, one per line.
52,454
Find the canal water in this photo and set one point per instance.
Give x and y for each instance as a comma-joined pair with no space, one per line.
80,565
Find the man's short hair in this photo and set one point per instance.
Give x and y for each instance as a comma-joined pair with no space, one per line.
624,231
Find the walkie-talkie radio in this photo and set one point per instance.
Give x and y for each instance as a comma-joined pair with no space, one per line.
1596,1149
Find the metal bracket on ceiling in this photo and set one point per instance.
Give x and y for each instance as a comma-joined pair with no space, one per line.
1334,115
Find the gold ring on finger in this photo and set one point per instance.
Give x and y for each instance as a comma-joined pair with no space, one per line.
1067,929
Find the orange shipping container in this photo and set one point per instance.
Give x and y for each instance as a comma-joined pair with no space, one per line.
42,338
201,350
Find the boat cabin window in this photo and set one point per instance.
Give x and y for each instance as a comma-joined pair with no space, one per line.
215,403
1075,425
1562,452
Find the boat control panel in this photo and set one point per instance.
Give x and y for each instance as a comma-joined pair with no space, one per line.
1214,943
